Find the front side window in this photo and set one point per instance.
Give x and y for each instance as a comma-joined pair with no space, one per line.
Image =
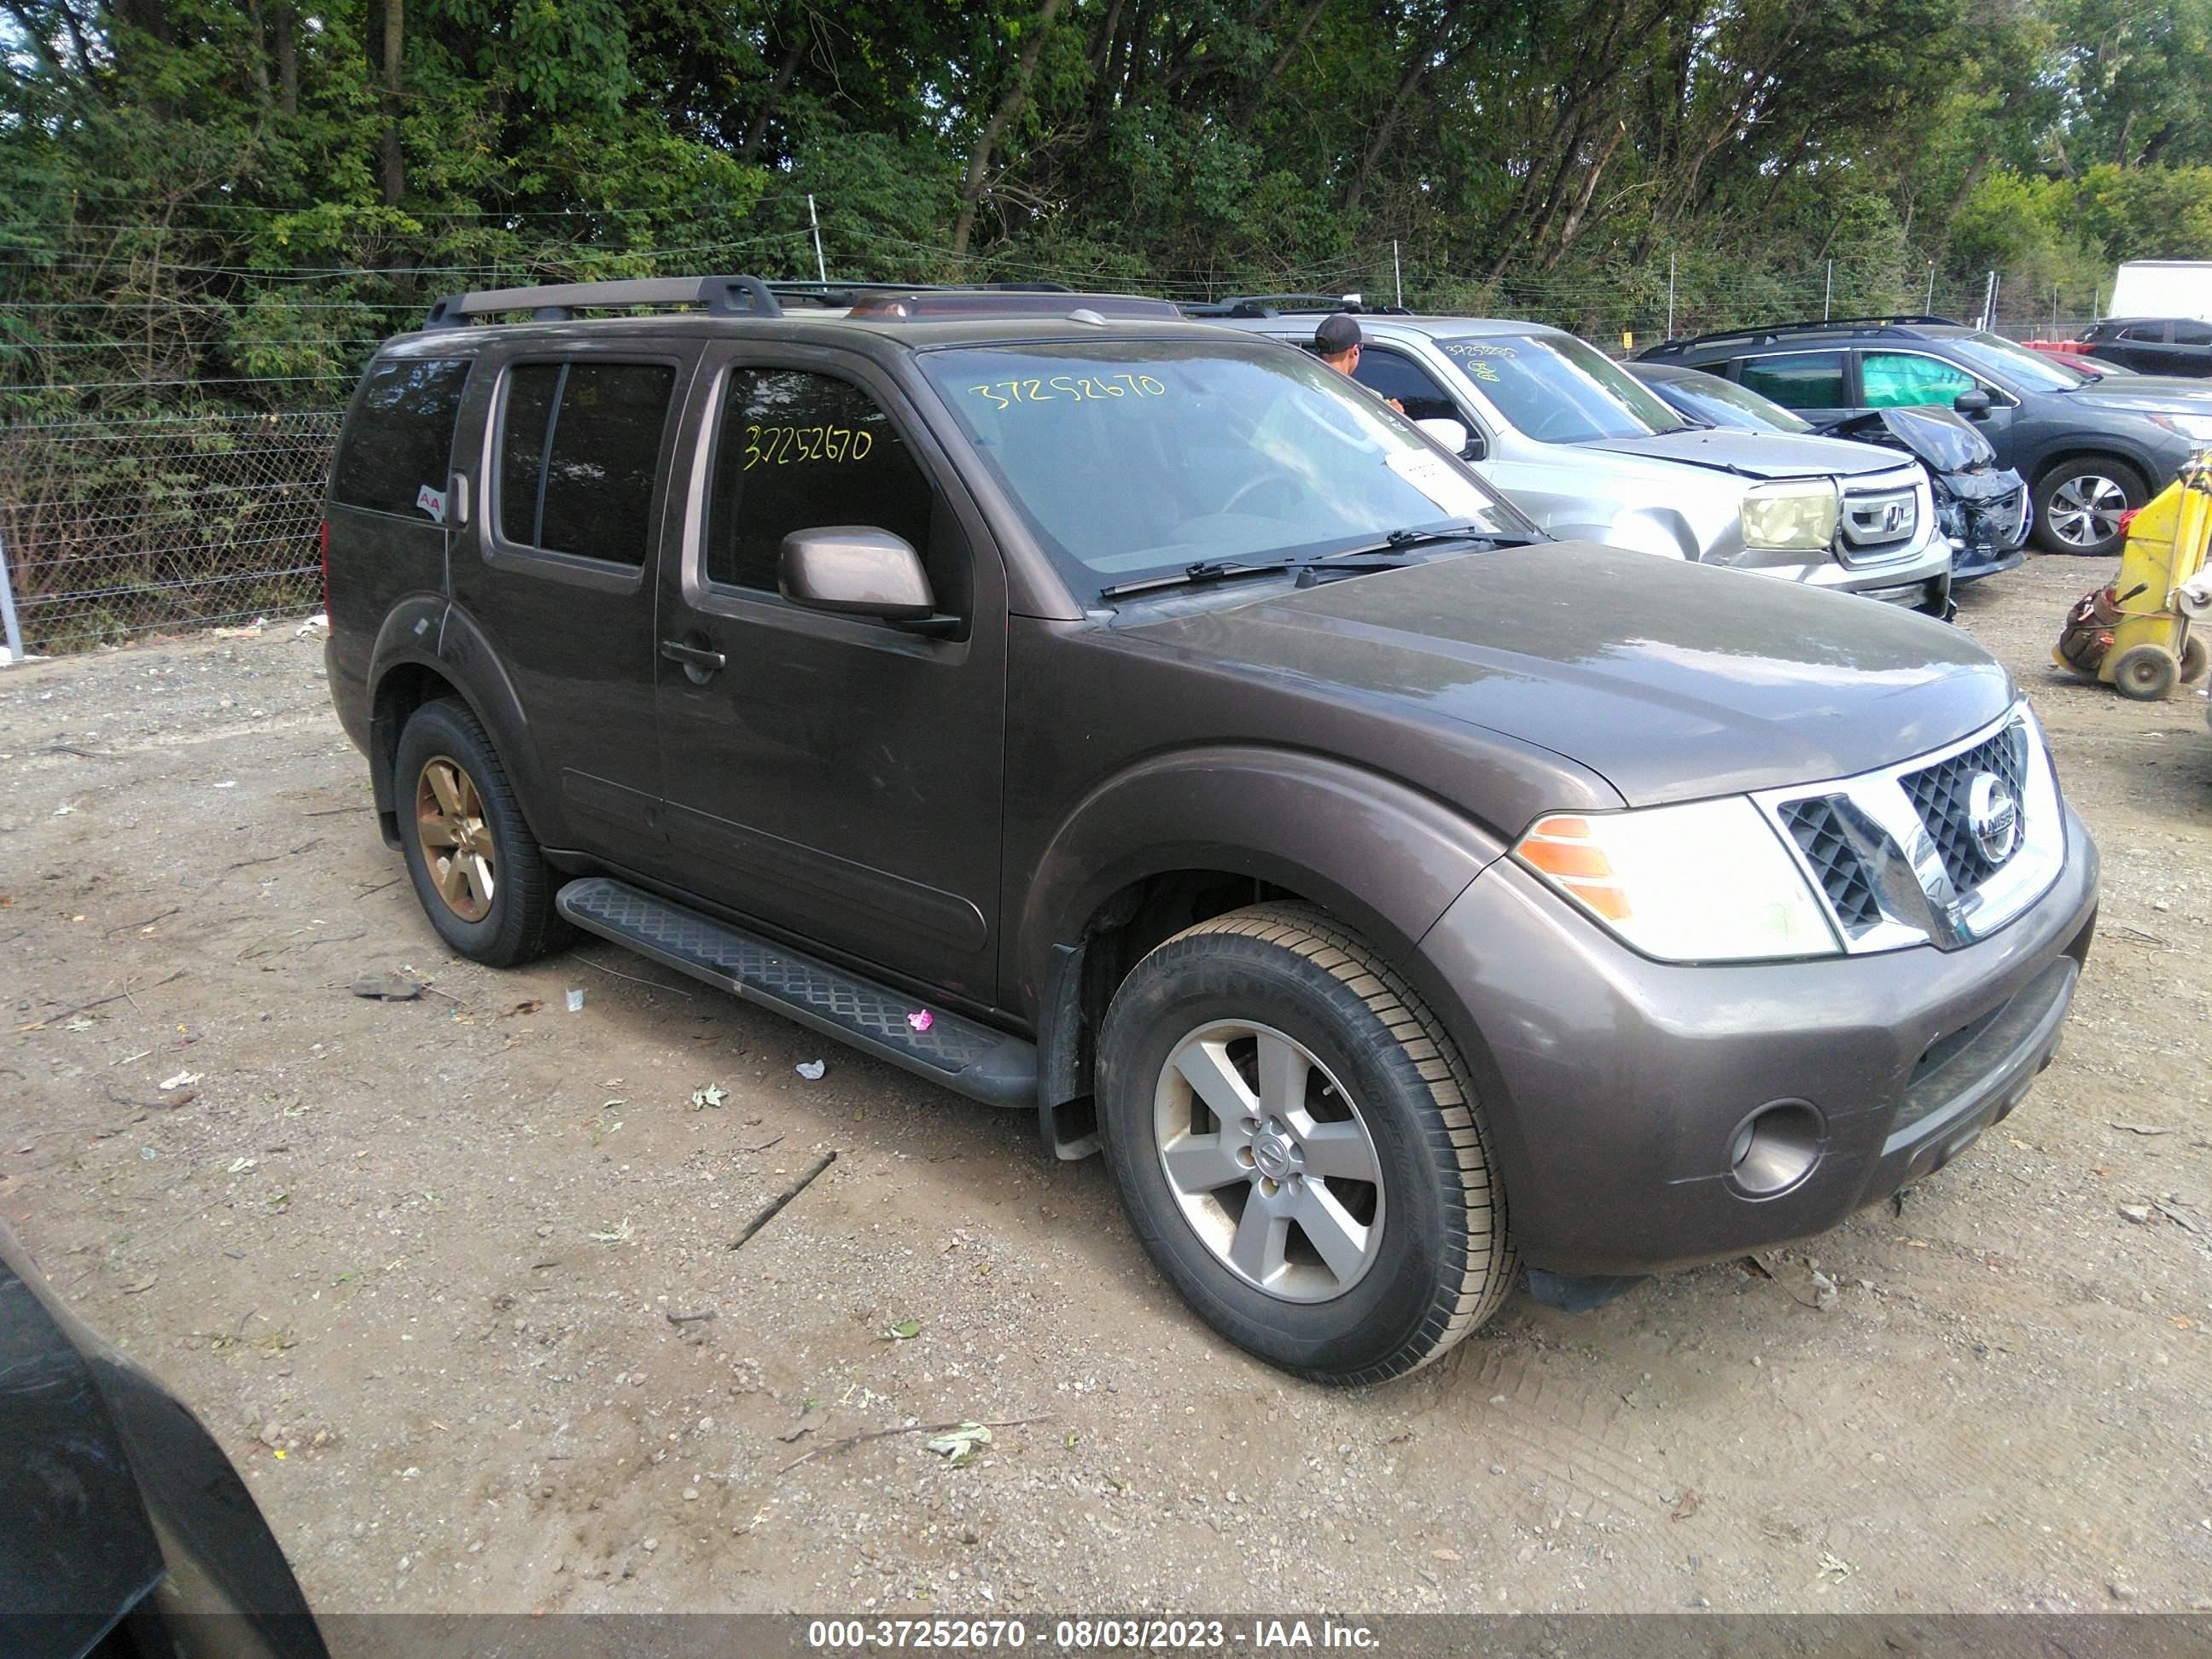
1798,380
1905,380
400,437
578,456
2151,333
1134,458
798,450
1388,374
1556,389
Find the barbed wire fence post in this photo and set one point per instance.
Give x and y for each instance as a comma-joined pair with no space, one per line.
9,625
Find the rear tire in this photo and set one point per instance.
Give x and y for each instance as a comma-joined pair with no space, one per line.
2078,504
478,869
1380,1237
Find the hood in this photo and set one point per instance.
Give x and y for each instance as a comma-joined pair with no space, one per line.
1939,437
2145,394
1756,454
1672,681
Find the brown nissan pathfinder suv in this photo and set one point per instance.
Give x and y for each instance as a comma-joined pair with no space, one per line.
1393,895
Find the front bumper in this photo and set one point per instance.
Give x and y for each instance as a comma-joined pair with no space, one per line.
1918,579
1614,1085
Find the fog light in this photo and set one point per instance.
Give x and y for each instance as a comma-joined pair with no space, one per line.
1774,1149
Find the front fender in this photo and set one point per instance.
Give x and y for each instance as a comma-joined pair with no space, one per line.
1385,858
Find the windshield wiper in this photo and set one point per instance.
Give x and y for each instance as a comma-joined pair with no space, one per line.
1206,570
1351,562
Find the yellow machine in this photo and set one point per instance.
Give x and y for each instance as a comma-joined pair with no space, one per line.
2135,635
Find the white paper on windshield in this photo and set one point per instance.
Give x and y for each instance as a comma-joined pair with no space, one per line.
1440,481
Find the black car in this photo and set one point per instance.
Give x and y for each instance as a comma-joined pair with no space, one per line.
2152,345
1981,507
2090,447
123,1529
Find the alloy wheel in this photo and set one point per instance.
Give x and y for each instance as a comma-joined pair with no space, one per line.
2085,510
456,841
1269,1160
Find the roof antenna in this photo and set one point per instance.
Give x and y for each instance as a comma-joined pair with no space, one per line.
1085,314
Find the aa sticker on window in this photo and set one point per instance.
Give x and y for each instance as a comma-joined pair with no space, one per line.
432,501
1440,481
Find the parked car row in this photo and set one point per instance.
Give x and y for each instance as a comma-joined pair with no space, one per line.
2090,445
1578,444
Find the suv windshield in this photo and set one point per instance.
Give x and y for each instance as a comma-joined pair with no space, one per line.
2029,371
1555,390
1136,459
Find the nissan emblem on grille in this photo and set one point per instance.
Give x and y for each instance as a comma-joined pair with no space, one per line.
1992,816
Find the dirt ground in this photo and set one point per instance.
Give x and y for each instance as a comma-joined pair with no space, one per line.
419,1264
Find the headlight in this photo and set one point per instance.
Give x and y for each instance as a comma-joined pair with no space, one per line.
1790,517
1709,881
2189,426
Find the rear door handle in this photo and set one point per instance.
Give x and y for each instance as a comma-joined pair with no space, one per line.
699,661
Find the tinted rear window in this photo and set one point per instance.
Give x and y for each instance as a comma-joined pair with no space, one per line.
399,435
580,451
1798,380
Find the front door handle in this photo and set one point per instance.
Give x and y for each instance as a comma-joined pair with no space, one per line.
700,662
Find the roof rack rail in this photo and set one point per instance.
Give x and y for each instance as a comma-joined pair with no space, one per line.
1276,305
722,296
1765,333
831,292
893,302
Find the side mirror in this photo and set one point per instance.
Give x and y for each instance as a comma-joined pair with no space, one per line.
1452,435
1971,404
854,571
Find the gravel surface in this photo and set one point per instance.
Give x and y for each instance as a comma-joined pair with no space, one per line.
437,1272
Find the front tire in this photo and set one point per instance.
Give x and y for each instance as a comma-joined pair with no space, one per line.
478,869
2078,504
1297,1145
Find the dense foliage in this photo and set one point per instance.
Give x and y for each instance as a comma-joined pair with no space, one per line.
192,191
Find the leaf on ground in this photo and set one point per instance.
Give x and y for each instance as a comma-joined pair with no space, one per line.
713,1096
902,1330
960,1444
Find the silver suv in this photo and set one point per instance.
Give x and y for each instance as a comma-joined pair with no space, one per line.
1588,452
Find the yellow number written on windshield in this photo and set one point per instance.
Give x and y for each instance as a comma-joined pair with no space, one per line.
1080,388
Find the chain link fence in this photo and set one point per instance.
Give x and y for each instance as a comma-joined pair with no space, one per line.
117,528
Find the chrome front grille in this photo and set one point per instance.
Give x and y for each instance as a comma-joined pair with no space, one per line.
1940,794
1899,857
1881,518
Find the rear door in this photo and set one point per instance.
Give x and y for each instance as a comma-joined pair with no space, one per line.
1815,384
2190,347
2139,346
557,576
835,776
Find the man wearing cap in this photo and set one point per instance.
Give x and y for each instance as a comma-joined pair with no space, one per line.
1336,343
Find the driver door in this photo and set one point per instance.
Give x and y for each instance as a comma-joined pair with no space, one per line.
832,775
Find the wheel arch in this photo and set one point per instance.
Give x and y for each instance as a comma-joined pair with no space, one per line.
1187,836
2102,450
432,650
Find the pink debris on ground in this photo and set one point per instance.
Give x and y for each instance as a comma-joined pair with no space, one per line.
921,1020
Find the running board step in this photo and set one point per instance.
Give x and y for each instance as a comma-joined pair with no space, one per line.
957,1054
